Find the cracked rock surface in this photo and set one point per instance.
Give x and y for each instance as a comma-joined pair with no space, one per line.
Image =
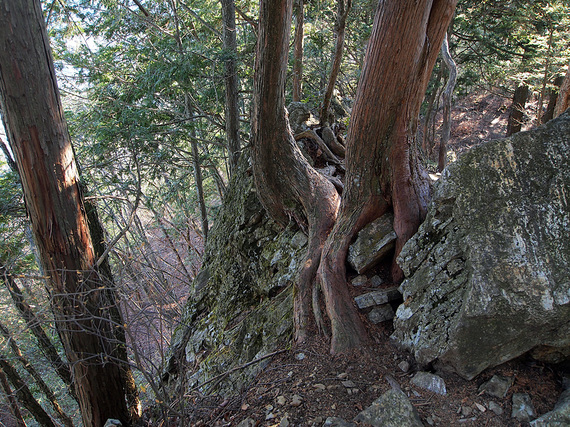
487,275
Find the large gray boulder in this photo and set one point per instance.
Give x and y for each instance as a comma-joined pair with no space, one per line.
488,273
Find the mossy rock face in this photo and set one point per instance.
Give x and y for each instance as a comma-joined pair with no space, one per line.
242,300
488,275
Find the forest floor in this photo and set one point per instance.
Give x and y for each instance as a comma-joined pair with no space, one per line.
305,385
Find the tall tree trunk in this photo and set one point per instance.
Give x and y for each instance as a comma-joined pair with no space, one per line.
447,94
45,389
33,323
516,115
110,300
299,12
563,100
382,167
286,184
340,27
40,141
231,81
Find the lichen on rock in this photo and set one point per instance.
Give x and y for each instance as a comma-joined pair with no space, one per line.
241,302
487,275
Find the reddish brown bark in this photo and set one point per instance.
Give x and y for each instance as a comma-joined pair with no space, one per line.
39,138
287,185
381,157
382,165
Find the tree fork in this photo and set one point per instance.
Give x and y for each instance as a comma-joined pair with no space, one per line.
382,166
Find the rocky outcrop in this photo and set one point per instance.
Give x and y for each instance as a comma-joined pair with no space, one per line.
488,275
241,304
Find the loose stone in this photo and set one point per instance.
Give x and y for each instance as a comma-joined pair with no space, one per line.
495,407
522,407
430,382
497,386
359,280
349,384
404,366
296,400
381,314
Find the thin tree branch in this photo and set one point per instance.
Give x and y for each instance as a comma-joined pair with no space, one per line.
141,7
122,233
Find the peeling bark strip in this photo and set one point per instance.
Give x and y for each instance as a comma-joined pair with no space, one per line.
81,301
